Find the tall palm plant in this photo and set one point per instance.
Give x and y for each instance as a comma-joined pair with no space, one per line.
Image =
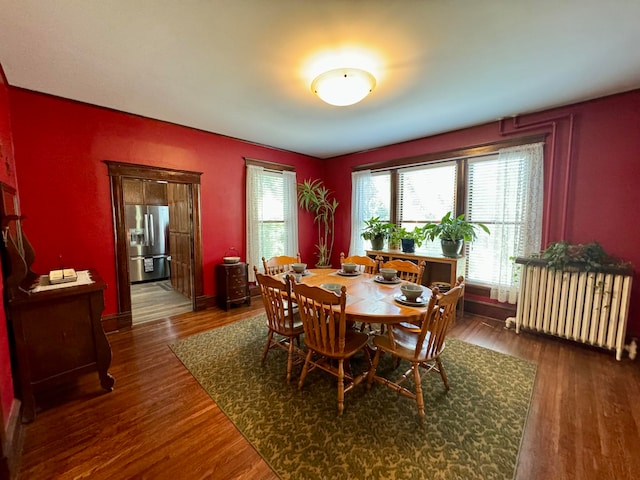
314,197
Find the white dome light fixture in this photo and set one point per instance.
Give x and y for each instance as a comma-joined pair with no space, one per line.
343,86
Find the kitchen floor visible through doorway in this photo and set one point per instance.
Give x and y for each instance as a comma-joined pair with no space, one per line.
155,300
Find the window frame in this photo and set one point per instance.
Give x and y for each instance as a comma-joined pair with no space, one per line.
461,157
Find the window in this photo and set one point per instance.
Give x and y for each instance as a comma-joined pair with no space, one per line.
370,197
425,194
380,201
272,218
502,189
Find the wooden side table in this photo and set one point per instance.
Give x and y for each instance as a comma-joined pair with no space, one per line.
232,282
59,336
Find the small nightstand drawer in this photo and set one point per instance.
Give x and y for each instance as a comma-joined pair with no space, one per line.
236,293
237,281
236,270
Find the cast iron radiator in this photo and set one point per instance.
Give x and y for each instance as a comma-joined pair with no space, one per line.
586,307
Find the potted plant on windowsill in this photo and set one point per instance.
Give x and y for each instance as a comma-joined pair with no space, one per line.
453,232
395,237
314,197
411,239
376,231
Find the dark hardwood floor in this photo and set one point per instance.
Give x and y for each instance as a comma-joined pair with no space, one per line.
159,424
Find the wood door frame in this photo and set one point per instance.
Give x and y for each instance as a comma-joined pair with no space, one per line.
117,171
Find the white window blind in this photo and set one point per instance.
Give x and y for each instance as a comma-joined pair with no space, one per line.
380,198
425,194
272,226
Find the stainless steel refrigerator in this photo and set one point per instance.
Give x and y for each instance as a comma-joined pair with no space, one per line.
148,230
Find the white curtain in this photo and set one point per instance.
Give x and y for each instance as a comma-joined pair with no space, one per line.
260,233
361,191
253,218
528,207
290,213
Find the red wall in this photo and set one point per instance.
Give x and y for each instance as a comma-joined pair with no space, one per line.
593,178
60,146
591,154
7,175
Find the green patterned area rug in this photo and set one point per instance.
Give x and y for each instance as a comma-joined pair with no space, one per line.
471,432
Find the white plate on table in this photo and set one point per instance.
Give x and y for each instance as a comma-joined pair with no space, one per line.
304,274
348,274
380,279
400,298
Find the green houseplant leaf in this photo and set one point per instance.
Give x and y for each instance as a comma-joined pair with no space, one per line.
375,227
589,257
418,234
453,229
314,197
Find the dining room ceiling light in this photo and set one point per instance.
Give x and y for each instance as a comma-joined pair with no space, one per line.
343,86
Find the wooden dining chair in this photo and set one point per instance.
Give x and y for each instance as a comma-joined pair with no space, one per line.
445,287
327,338
280,264
407,270
421,348
369,265
282,318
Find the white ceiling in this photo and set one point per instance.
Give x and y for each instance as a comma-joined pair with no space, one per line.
243,68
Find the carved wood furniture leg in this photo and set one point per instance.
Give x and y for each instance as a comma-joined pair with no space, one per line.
103,349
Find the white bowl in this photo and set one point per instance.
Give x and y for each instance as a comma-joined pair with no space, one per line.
388,273
230,259
349,267
298,267
411,291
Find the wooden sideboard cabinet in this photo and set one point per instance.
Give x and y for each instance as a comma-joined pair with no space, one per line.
58,336
439,268
232,282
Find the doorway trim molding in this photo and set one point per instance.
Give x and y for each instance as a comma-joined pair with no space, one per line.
119,170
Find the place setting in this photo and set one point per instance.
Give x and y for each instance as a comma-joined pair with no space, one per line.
388,276
411,295
299,269
349,270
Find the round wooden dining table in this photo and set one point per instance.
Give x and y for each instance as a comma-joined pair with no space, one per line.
368,300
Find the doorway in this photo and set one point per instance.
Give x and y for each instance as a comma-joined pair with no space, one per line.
156,299
148,289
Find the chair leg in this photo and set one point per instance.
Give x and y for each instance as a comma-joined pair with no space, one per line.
443,374
267,346
305,369
340,386
418,381
396,362
372,370
290,359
